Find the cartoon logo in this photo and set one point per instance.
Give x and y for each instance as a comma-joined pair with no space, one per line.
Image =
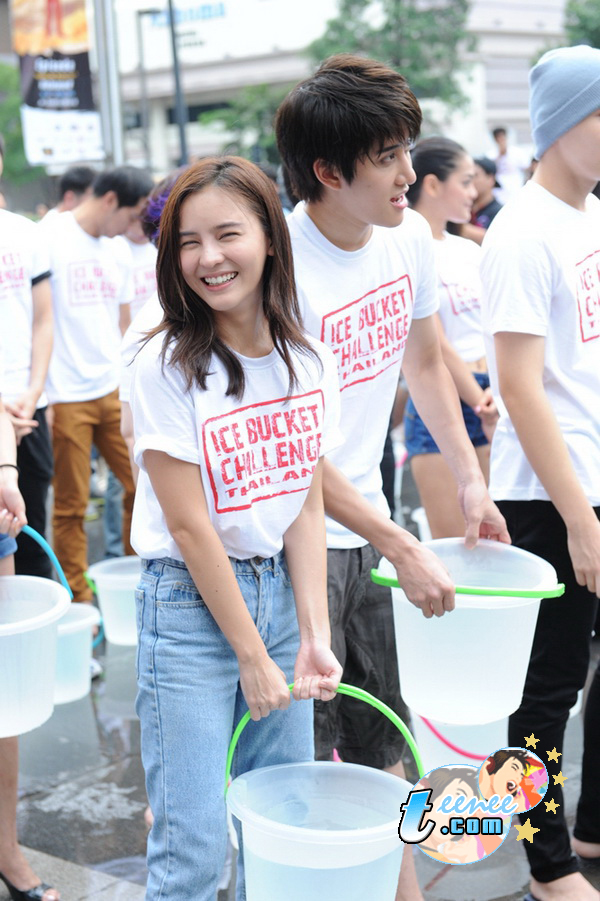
514,772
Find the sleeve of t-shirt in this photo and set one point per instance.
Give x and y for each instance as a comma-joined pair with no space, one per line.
332,436
40,253
425,291
163,411
517,281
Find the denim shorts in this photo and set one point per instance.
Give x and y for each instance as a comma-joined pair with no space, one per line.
418,439
8,546
189,703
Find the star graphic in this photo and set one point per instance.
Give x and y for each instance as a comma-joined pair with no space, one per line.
560,779
551,806
531,742
526,831
554,755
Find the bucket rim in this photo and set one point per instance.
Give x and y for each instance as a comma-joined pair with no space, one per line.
59,609
101,569
87,617
364,836
547,576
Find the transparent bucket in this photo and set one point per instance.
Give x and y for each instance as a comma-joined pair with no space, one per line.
73,652
319,830
469,666
115,582
29,610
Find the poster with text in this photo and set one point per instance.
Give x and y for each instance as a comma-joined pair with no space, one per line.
60,124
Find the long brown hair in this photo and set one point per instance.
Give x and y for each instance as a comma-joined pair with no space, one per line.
188,322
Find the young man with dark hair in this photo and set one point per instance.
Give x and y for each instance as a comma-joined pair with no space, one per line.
368,290
91,289
541,280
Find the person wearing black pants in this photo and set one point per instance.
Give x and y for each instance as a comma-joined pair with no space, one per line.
541,276
558,669
34,458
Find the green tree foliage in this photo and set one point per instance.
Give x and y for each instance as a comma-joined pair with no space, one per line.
249,121
582,22
426,40
17,170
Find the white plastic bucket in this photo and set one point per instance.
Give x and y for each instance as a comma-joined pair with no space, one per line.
73,652
116,581
29,610
469,666
319,830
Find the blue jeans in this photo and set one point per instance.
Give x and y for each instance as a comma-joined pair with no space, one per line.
419,440
8,546
189,703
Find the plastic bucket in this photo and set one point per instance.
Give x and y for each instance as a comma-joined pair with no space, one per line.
469,666
73,652
29,610
319,830
115,583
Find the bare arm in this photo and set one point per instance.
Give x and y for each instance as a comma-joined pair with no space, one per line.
520,360
469,389
435,397
128,437
178,487
317,673
12,506
124,317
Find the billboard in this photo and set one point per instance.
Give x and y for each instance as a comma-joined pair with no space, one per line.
60,123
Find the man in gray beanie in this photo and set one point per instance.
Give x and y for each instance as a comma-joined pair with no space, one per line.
541,279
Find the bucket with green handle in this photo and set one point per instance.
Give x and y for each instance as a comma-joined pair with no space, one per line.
469,666
321,829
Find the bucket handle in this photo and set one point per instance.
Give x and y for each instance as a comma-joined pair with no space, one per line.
448,743
555,592
361,695
27,530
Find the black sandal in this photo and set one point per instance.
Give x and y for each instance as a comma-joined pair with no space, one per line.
32,894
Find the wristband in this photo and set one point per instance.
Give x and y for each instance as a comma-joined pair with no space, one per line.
12,466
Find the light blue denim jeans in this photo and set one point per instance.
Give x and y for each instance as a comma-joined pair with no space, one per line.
189,703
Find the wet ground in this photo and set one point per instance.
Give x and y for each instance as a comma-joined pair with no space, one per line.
82,797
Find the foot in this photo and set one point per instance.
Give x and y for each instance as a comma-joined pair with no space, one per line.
573,887
587,850
18,872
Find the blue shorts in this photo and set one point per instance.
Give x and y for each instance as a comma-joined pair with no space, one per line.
417,438
8,546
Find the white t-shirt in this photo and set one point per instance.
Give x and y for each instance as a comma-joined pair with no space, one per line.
90,278
149,316
541,276
143,272
23,260
256,455
361,304
457,261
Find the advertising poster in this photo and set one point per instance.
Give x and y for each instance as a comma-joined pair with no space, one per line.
60,124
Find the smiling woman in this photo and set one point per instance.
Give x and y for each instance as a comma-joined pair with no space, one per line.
233,408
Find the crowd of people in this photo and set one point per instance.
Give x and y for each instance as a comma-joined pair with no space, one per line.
246,409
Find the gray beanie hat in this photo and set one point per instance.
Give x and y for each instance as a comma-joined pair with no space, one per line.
564,89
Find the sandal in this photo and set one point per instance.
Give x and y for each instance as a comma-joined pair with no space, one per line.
32,894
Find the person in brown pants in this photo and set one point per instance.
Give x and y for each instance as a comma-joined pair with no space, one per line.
91,290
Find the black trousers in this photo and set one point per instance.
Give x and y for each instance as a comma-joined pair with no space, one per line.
34,459
558,668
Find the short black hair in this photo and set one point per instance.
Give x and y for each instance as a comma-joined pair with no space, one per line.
350,106
497,760
77,179
129,183
499,131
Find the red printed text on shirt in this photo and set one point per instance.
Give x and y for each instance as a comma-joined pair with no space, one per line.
588,296
12,270
263,450
368,335
89,283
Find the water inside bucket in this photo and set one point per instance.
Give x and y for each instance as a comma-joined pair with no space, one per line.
469,666
116,581
29,610
316,830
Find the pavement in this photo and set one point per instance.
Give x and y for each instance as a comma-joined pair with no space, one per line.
82,795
